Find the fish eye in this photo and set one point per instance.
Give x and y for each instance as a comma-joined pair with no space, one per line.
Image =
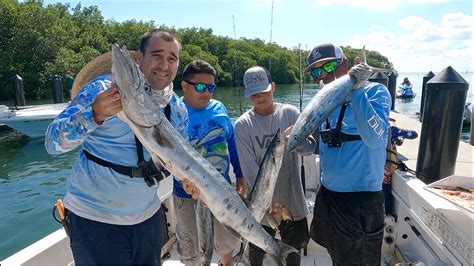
147,88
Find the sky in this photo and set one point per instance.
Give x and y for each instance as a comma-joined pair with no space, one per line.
415,35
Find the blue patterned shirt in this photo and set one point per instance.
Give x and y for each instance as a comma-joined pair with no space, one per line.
211,133
93,191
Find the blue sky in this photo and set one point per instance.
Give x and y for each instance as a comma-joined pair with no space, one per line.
416,35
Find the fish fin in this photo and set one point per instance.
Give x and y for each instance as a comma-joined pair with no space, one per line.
363,57
246,201
243,255
157,160
232,232
285,250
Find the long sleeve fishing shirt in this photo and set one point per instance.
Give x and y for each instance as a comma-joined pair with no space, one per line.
358,165
211,133
95,192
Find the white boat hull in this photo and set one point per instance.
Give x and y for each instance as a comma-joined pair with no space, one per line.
32,120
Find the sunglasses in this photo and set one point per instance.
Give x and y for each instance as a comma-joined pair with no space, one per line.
329,67
201,87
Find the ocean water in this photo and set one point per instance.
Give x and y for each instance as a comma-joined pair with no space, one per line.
31,180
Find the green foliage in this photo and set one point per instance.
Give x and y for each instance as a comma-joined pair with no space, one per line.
37,42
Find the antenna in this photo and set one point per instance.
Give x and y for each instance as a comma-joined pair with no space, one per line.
301,79
236,69
271,31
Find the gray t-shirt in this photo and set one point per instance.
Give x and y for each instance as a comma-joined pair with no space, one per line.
253,133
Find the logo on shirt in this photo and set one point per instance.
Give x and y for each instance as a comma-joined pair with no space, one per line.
376,126
265,141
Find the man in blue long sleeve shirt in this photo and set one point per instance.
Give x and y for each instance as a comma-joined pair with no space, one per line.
349,213
113,216
211,132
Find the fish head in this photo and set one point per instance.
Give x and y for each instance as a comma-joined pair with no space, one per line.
278,144
298,134
135,92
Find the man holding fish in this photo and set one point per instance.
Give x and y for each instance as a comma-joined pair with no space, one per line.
210,132
254,132
112,200
351,116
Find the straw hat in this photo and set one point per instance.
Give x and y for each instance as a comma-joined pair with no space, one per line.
98,66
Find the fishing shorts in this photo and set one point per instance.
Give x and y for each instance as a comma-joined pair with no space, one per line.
96,243
187,234
350,225
293,233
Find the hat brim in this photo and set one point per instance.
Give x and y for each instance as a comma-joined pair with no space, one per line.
319,61
98,66
259,89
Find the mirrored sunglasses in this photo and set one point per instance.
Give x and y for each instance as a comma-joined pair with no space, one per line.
329,67
201,87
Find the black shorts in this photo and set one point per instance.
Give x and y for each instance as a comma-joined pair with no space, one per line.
350,225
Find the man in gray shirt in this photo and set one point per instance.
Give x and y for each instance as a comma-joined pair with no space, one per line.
253,131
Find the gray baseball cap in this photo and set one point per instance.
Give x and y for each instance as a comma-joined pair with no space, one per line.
257,79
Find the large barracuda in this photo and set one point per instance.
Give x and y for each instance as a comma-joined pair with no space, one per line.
327,100
261,196
262,193
141,111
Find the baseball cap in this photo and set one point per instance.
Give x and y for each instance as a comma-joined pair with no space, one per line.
257,79
324,51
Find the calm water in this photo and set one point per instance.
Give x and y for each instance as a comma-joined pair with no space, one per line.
31,180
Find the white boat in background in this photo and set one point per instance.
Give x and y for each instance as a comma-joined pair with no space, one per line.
31,121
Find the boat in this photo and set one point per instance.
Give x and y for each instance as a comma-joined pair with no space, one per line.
32,120
405,92
467,116
424,226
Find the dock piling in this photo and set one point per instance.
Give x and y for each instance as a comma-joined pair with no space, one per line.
442,125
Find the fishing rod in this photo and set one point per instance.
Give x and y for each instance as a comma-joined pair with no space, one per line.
303,174
235,68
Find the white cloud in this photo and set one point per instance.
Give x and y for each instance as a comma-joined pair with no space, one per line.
422,45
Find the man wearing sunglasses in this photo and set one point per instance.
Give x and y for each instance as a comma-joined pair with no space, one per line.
210,131
254,130
348,213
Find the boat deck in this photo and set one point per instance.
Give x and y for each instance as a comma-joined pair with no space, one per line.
444,232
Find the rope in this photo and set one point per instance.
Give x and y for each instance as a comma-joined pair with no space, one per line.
404,168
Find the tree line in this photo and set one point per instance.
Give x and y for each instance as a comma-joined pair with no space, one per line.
38,41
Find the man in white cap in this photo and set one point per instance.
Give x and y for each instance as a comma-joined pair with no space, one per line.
254,130
348,213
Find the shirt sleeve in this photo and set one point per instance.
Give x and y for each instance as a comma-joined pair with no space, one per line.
233,154
371,109
76,122
246,153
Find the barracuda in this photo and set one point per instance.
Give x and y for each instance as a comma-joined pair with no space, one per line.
327,100
141,111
